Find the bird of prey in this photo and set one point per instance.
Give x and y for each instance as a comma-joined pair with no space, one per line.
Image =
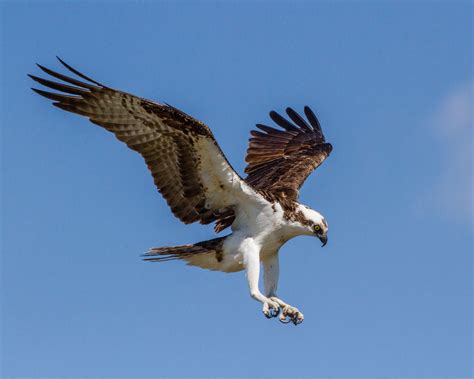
199,184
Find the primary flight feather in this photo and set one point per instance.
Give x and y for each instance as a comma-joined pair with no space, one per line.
198,183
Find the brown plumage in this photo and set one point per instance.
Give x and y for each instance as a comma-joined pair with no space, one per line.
169,253
180,151
279,161
162,134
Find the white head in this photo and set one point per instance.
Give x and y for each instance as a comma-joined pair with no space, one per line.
312,223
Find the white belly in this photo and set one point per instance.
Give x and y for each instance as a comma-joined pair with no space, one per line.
264,224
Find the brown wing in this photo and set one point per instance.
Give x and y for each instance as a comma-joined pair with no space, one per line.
180,152
280,160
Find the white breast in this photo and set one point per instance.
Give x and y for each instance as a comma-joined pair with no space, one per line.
262,222
265,224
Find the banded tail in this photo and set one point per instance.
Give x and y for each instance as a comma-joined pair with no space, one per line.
206,254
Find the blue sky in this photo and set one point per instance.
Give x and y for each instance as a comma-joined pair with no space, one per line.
391,293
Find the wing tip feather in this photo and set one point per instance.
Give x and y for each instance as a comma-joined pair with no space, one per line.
81,75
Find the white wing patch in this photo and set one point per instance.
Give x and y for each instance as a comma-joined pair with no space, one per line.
223,187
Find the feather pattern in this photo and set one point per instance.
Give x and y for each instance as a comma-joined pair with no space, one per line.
279,161
187,165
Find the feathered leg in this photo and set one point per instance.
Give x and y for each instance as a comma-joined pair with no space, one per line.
251,255
271,272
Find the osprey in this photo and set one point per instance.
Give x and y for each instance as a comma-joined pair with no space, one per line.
199,184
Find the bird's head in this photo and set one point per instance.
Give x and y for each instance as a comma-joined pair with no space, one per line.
313,223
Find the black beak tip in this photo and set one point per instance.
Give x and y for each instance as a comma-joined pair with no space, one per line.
324,240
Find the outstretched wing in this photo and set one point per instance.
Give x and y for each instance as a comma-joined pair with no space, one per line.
187,165
280,160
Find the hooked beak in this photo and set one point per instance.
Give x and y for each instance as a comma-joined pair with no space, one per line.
323,239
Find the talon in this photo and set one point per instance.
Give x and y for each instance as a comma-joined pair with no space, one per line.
286,312
271,310
291,314
298,318
276,312
283,317
266,311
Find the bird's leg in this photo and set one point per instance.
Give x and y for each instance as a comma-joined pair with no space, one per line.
271,273
251,257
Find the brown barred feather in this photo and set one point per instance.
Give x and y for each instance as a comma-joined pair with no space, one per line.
279,161
169,253
162,134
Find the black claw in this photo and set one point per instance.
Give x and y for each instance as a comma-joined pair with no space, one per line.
285,321
273,313
296,320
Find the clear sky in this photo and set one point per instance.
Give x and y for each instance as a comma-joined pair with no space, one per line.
391,293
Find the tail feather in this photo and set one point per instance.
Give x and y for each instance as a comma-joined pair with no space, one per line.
170,253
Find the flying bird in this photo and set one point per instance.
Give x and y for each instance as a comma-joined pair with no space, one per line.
199,184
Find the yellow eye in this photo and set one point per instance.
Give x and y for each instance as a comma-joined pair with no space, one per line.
317,228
